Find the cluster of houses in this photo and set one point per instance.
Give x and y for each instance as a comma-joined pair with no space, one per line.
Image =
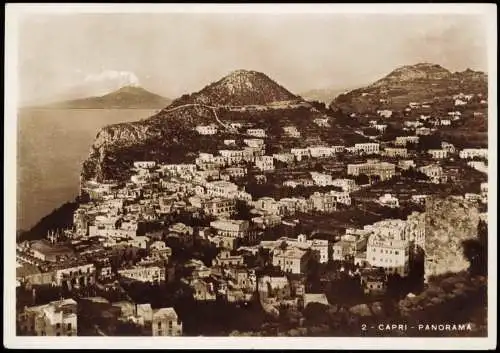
133,215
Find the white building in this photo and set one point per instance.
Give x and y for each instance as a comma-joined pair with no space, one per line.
322,122
206,129
347,185
221,188
264,163
166,323
291,260
342,197
404,140
390,254
300,153
321,179
220,206
284,157
438,153
384,113
383,169
484,192
144,274
256,132
423,131
321,151
479,166
434,172
255,143
406,164
469,153
57,318
396,152
448,147
380,127
291,131
389,201
144,164
230,227
367,148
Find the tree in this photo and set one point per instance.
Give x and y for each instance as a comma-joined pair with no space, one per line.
362,179
476,250
318,167
243,210
414,174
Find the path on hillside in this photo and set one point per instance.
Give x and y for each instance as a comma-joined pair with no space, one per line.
213,108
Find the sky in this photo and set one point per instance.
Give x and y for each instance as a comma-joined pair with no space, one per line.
173,54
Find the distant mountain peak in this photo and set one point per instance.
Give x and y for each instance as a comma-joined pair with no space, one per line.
126,97
240,87
421,70
411,83
132,88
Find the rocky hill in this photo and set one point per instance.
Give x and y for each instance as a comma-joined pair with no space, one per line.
419,83
128,97
169,136
239,88
449,222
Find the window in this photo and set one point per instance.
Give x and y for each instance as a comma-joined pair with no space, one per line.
69,326
58,325
160,333
58,334
159,324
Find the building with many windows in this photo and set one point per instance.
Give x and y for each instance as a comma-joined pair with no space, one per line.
383,169
388,253
206,129
291,260
57,318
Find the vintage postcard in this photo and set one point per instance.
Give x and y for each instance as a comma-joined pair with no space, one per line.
257,176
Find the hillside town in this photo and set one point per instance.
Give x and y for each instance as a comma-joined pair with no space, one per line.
250,229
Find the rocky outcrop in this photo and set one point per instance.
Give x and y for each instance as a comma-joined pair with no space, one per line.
449,221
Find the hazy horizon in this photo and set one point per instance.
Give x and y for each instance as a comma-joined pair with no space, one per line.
173,54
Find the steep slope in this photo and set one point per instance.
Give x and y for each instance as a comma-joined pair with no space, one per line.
169,136
128,97
240,88
414,83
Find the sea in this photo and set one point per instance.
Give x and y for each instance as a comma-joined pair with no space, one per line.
51,147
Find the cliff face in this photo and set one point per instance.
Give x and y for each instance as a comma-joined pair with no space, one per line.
449,221
167,135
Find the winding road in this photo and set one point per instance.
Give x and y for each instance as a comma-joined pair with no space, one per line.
213,108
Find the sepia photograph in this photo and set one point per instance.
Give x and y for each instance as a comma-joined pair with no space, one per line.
258,176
